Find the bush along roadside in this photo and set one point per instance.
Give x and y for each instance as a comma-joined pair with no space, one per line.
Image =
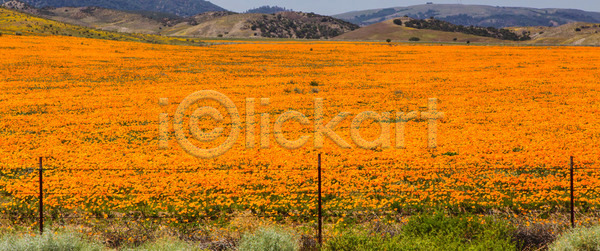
432,232
578,239
424,231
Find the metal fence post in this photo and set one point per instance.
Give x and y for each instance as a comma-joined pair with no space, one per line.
572,196
320,224
41,198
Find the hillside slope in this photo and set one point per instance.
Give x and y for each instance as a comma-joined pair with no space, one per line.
104,19
279,25
176,7
18,23
208,24
388,30
568,34
216,26
477,15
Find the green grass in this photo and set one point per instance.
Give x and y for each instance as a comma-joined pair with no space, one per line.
48,241
426,231
432,232
66,240
269,239
578,239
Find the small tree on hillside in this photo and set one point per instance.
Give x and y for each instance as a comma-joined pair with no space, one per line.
388,40
397,21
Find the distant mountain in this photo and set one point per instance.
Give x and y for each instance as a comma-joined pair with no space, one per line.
476,15
267,9
176,7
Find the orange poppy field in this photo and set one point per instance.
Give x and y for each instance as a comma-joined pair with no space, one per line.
513,116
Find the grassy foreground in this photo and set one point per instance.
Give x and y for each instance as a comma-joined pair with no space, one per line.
433,231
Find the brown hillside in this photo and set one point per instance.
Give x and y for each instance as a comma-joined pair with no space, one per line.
209,24
568,34
388,30
104,19
223,26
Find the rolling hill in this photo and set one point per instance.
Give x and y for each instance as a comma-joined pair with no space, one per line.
18,23
578,33
97,22
176,7
388,30
569,34
208,24
477,15
103,19
279,25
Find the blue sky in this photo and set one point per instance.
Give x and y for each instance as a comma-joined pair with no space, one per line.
330,7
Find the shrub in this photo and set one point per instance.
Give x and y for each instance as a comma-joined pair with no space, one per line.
269,239
388,40
0,34
454,39
355,241
577,29
314,83
18,33
460,232
48,241
432,232
315,90
298,90
578,239
397,21
535,236
308,243
414,39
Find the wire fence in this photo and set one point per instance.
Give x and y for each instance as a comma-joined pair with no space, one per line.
315,193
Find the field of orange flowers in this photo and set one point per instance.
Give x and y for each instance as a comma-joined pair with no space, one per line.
513,116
